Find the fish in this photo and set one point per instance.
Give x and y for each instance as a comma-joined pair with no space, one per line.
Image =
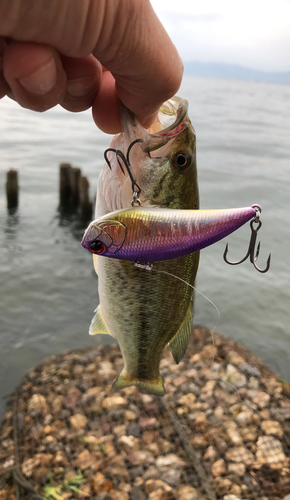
146,311
146,234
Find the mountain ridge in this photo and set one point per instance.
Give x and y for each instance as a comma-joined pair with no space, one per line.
234,71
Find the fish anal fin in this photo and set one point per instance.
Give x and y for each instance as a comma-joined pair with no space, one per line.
98,324
179,342
150,386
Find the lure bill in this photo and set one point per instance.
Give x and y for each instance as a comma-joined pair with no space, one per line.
158,234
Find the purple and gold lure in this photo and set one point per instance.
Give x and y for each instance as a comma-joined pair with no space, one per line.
157,234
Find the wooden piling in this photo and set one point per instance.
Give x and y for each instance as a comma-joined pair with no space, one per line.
86,205
12,189
75,174
65,182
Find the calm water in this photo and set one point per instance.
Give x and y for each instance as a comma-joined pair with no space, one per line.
47,285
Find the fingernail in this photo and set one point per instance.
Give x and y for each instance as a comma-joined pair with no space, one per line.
80,87
41,81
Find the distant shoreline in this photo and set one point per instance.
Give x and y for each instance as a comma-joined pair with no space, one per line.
233,71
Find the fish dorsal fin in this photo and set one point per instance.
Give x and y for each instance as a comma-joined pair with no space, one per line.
179,342
98,324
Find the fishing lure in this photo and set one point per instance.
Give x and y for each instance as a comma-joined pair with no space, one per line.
158,234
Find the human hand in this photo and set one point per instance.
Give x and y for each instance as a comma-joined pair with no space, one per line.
56,52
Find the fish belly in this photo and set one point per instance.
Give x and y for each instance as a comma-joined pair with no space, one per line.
144,310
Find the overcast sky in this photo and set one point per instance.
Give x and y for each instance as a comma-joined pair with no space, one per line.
251,33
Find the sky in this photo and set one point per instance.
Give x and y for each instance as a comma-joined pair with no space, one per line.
250,33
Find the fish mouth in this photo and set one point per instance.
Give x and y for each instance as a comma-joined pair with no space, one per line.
170,122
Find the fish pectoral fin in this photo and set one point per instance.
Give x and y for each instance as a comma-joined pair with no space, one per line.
150,386
179,342
95,259
98,324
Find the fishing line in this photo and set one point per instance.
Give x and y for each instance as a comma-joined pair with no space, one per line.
149,267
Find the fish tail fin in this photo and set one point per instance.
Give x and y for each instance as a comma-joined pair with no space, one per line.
150,386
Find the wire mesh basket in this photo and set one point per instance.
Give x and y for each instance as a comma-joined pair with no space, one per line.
221,432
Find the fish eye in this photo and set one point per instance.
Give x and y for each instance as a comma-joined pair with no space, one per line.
97,246
182,160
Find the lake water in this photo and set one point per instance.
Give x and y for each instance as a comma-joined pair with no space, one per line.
48,288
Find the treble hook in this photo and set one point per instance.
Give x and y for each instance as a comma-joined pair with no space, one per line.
126,162
251,250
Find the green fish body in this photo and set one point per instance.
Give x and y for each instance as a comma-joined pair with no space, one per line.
144,311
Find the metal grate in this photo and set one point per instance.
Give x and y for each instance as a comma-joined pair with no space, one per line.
221,432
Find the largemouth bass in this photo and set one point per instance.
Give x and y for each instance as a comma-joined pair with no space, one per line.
149,234
146,311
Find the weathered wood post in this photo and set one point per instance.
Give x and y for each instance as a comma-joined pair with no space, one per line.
65,182
86,205
75,174
12,188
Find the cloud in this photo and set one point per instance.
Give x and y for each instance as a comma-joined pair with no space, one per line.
252,33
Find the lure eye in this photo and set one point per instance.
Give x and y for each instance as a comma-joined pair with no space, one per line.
97,246
182,160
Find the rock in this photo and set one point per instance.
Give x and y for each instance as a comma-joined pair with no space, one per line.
188,400
78,421
249,434
237,468
130,415
152,484
137,471
141,458
137,494
56,404
154,448
84,460
129,443
172,477
147,423
272,427
146,398
223,485
188,493
134,430
72,398
151,473
270,451
210,453
236,490
119,495
218,468
168,461
249,370
120,430
235,358
234,437
158,494
117,468
240,454
114,403
29,465
261,399
232,379
37,404
101,484
244,417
